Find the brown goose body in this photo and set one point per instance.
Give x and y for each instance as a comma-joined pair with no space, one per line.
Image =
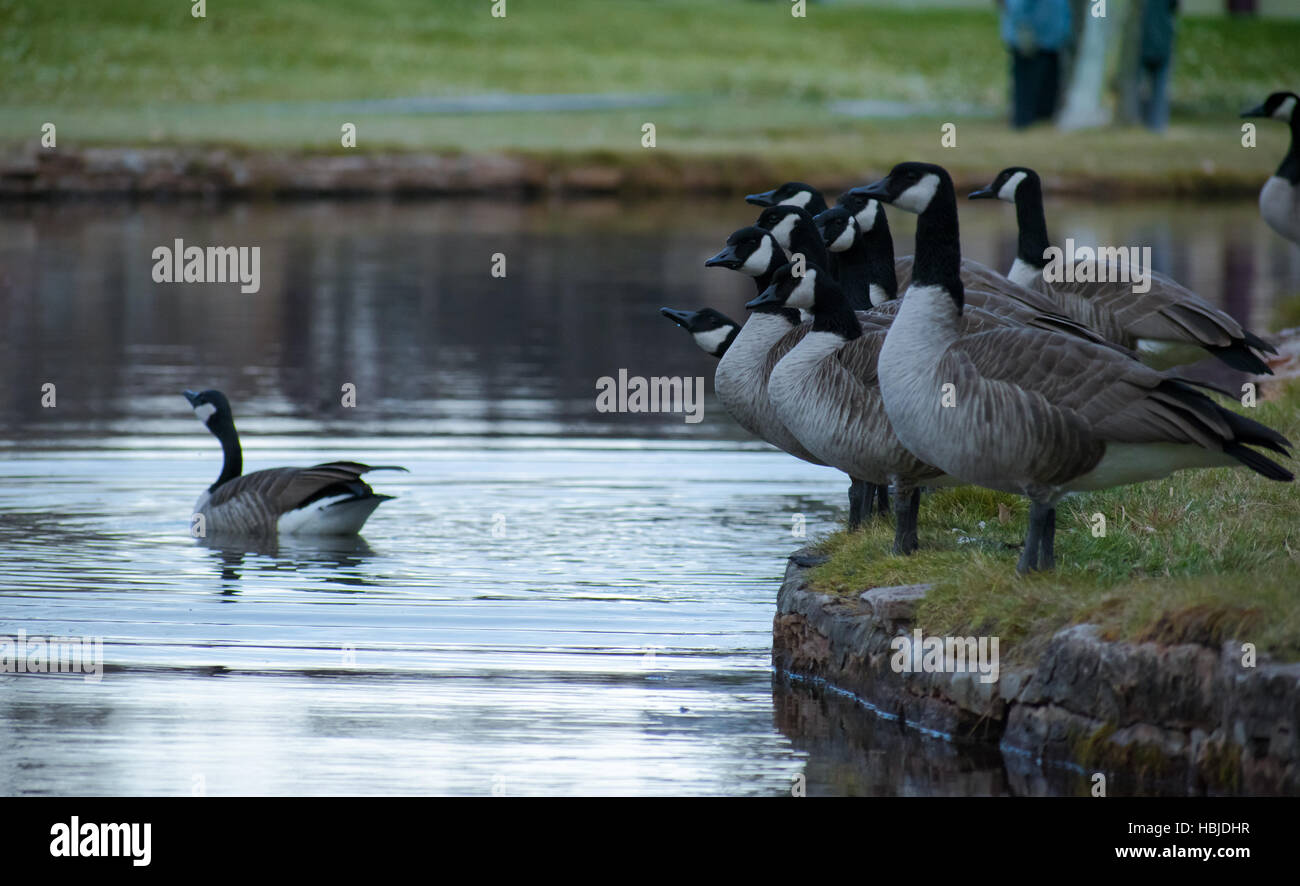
325,499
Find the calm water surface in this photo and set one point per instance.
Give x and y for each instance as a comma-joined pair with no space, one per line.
558,601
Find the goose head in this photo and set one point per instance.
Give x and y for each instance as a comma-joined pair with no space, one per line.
713,331
838,228
1007,183
1279,106
787,223
791,290
814,291
790,194
909,186
212,408
749,250
866,210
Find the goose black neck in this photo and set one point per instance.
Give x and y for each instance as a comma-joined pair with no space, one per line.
879,244
1290,168
938,245
1032,222
233,462
869,261
834,314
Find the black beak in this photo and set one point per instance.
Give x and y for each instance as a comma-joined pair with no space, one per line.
1257,111
767,198
877,190
766,297
192,397
982,194
727,258
681,318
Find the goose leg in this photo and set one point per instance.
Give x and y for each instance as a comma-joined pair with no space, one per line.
858,502
1047,544
906,504
1033,538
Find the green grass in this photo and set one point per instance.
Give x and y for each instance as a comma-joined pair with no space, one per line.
1202,556
746,80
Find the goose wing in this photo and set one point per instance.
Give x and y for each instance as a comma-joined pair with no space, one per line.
1168,311
1094,393
281,490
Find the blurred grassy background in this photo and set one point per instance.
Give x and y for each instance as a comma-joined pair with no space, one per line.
740,79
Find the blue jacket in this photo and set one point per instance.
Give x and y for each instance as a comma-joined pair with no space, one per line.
1031,25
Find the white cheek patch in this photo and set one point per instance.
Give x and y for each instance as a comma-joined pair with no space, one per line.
784,229
710,339
759,260
1007,193
845,239
799,198
802,295
918,196
866,217
204,411
1286,109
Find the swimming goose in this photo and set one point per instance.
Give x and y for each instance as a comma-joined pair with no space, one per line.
791,194
740,380
1279,201
1168,325
326,499
824,390
1027,411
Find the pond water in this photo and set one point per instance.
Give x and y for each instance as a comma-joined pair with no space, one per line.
558,600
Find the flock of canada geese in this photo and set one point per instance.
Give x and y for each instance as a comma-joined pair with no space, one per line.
928,370
934,370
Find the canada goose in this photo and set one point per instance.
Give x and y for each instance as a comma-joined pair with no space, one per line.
740,380
712,330
864,257
1279,200
1027,411
824,390
325,499
795,230
1168,325
791,194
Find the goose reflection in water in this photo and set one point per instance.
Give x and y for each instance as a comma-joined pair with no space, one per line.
330,559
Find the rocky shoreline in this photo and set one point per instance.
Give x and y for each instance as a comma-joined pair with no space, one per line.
30,172
1155,719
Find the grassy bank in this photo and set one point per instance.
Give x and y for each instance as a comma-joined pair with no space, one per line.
740,80
1202,556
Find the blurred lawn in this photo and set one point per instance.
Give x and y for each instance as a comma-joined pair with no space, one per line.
745,79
